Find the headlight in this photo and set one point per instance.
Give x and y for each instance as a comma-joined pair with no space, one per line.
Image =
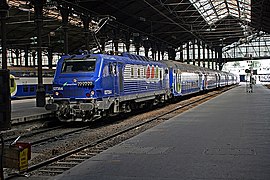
92,93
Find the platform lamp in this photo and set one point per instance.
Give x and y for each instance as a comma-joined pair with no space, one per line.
40,93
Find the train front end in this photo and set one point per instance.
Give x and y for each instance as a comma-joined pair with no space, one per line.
74,88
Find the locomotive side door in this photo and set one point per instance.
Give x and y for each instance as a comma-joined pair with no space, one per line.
118,78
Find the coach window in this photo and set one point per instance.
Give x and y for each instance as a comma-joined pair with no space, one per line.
115,68
32,88
156,73
111,69
25,88
160,74
139,72
166,71
144,72
132,72
105,71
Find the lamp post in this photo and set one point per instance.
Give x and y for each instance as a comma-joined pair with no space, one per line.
40,93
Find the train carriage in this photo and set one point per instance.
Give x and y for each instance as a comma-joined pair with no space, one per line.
184,79
23,81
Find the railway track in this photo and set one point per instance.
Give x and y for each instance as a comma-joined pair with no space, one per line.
64,161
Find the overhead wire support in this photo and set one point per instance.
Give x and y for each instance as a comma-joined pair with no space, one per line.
170,19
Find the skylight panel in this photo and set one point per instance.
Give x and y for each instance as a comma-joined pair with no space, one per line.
214,10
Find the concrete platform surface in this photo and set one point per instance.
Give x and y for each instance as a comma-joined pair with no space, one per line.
226,138
25,110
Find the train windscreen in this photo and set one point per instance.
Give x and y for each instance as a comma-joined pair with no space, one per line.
70,66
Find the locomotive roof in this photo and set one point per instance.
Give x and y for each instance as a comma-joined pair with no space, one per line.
132,57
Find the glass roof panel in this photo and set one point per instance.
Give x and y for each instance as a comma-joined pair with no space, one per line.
214,10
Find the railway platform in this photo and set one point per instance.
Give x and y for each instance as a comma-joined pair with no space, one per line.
227,137
25,110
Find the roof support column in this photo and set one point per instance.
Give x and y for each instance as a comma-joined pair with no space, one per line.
127,41
212,67
64,10
40,93
199,53
50,57
17,54
208,57
171,53
34,54
162,51
102,43
146,45
188,62
203,46
181,53
220,59
3,12
86,21
154,50
116,40
158,50
216,59
26,56
137,42
193,52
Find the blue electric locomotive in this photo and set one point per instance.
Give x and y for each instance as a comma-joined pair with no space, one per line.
87,87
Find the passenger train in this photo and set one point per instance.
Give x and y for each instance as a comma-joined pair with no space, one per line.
88,87
24,80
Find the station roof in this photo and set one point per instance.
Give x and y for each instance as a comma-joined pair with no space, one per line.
172,22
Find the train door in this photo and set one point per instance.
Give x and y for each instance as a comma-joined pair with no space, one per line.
108,79
115,78
117,75
201,81
120,77
178,81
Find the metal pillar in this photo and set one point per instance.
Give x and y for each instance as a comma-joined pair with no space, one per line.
212,58
171,53
220,59
188,61
86,21
26,56
203,46
3,17
193,52
127,41
208,57
64,10
3,12
199,53
17,54
146,45
216,59
116,39
50,57
102,43
181,53
137,42
154,50
40,93
158,51
34,58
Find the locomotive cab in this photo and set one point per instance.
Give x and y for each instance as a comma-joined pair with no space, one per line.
74,90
